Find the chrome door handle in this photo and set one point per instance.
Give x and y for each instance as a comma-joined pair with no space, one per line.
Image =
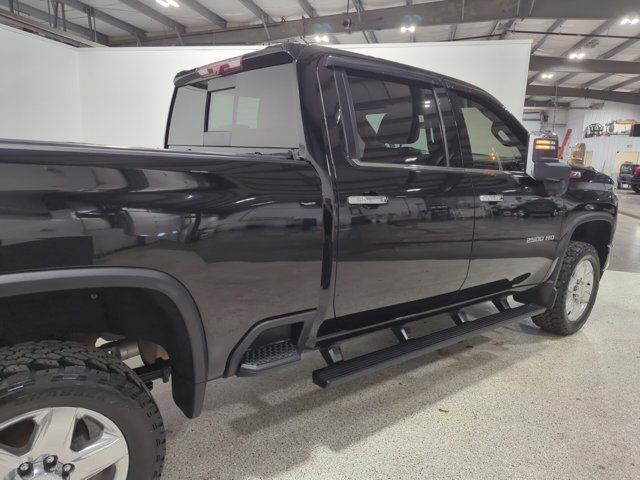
491,198
367,200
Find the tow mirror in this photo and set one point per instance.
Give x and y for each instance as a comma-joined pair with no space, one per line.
543,164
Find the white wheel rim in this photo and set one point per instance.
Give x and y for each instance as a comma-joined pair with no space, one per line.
579,290
104,453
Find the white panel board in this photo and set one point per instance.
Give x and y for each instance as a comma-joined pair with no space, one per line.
39,89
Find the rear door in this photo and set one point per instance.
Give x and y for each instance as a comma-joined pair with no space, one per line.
517,225
405,216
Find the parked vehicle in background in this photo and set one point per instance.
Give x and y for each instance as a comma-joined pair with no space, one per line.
306,196
629,175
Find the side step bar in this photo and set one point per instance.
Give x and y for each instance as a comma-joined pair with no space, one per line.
268,356
345,370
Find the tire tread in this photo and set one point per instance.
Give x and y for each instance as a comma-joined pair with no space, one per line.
45,362
554,320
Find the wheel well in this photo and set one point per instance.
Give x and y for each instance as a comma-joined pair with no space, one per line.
598,234
83,315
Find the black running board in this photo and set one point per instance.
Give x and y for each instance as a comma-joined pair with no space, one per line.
346,370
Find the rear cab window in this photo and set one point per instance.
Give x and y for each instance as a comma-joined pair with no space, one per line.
247,111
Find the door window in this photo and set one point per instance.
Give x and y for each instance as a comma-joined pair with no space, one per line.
490,139
397,123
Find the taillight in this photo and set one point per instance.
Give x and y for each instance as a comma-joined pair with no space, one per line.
636,172
224,67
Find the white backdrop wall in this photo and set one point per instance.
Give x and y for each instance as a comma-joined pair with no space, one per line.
121,96
38,88
126,92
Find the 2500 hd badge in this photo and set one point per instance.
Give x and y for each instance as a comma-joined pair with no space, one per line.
541,238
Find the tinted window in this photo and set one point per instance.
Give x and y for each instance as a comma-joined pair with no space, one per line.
489,138
257,108
187,116
396,122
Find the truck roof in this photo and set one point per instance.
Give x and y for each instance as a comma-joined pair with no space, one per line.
300,52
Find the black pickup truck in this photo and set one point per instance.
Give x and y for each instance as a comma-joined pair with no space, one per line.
629,175
304,196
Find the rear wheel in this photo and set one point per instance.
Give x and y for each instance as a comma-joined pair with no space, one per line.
68,411
636,188
577,286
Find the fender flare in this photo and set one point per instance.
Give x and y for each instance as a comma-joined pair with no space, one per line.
570,227
545,294
187,387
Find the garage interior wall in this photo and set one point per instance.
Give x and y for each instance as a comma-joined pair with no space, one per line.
605,148
121,96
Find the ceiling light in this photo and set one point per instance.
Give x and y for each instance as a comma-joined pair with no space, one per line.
576,55
546,76
408,28
168,3
630,20
321,38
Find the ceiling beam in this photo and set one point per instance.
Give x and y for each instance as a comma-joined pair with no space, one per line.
308,9
369,35
545,103
554,26
257,11
444,12
493,29
551,91
564,64
608,54
508,26
205,12
620,48
19,21
106,18
155,15
603,77
617,86
454,31
45,17
604,26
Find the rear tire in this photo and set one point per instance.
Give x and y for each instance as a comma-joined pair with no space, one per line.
572,306
91,398
636,188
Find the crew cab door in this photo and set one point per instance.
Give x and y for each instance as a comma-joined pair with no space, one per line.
405,217
517,224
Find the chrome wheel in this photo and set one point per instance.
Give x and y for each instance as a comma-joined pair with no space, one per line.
579,290
62,443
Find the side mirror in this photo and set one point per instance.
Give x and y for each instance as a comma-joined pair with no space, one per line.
543,165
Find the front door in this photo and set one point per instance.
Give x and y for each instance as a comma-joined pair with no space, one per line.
405,216
517,227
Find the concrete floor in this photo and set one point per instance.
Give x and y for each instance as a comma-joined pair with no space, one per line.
513,403
629,202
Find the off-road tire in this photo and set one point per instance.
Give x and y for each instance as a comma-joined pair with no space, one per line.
49,374
555,319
